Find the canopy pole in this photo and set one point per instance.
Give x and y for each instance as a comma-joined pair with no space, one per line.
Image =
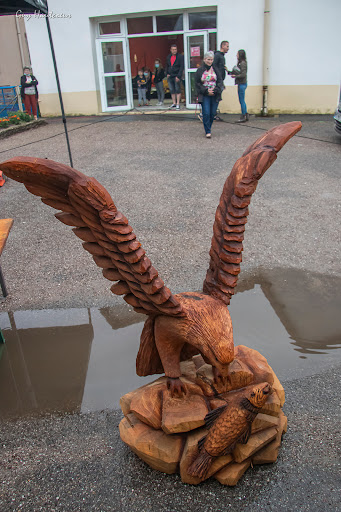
58,86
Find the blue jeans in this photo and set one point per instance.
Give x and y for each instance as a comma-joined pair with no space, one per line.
209,108
174,86
160,91
241,96
141,93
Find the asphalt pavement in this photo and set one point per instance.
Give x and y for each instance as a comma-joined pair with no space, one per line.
166,177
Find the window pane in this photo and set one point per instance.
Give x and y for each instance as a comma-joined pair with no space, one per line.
113,27
115,87
193,89
113,61
212,41
169,23
140,25
195,51
200,20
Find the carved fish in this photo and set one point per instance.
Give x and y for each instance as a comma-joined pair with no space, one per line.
229,425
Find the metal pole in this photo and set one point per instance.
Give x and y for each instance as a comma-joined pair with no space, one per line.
58,86
266,50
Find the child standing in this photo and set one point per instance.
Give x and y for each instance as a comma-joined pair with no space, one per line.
141,88
159,75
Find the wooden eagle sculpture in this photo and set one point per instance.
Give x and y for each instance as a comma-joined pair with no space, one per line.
178,326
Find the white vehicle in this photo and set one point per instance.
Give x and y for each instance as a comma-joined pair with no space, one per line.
337,116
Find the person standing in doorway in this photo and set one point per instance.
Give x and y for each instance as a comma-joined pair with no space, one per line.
209,85
239,72
174,70
148,76
141,83
219,58
159,75
29,92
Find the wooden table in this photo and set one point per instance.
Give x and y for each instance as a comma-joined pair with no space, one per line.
5,228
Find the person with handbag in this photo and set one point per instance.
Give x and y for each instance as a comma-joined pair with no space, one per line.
29,92
209,85
239,73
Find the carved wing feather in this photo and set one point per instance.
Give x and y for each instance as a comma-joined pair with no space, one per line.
88,208
232,211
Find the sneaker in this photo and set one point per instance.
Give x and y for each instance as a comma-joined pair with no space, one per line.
242,119
139,105
208,135
173,106
177,107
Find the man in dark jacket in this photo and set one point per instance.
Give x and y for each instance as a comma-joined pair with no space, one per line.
174,70
219,58
219,62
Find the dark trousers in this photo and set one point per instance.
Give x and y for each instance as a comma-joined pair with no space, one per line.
30,101
209,108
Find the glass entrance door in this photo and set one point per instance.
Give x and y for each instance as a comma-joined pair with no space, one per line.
115,80
195,46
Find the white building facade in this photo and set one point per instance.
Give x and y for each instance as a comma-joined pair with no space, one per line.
292,48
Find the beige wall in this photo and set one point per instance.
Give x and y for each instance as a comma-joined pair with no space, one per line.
304,99
284,99
85,102
13,56
289,99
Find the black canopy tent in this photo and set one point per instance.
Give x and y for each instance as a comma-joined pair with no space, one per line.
8,7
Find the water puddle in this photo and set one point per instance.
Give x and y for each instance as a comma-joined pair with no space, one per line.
80,360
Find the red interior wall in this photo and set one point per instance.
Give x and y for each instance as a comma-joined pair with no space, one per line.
147,49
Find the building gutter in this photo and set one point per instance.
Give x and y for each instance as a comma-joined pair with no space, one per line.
266,51
20,42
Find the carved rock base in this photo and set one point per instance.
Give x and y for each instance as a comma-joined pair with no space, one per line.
164,431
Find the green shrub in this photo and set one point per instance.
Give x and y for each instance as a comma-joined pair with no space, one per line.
25,117
14,119
4,123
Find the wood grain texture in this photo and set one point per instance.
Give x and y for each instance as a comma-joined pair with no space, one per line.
178,326
87,206
5,228
232,211
229,426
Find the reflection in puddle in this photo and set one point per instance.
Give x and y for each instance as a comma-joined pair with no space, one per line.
84,359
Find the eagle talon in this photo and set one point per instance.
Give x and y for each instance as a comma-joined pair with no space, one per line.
218,377
176,387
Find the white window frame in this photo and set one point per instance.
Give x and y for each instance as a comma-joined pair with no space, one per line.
124,37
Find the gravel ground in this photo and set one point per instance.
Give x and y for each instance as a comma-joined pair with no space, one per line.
167,178
78,463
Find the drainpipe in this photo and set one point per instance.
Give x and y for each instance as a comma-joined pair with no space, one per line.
20,43
17,88
266,38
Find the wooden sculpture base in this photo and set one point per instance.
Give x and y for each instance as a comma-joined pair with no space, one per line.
164,431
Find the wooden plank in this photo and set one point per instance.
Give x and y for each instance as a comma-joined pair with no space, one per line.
5,228
232,473
157,449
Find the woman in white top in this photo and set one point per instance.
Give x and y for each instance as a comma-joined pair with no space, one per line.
29,92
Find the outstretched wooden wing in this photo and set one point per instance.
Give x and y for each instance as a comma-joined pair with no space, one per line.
232,211
106,234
